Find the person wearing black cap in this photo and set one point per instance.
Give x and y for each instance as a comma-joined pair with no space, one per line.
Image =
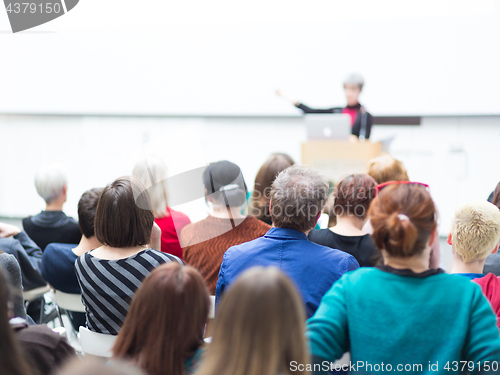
205,242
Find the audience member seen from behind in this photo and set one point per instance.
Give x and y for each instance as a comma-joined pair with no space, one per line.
28,349
258,328
52,224
474,234
205,242
12,360
110,275
16,242
58,262
353,196
492,264
163,330
12,271
259,202
385,168
152,171
297,198
28,256
406,291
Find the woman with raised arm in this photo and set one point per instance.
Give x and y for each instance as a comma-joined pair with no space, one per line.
402,313
361,120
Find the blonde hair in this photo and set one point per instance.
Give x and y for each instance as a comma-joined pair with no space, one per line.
152,172
475,230
385,168
259,327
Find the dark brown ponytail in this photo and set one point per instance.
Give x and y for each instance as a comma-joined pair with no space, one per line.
402,217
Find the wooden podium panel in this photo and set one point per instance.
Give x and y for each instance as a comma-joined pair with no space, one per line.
335,159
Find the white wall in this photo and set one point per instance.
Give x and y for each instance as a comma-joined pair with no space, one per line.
228,57
457,156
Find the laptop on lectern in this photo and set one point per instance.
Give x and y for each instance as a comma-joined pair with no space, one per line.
334,126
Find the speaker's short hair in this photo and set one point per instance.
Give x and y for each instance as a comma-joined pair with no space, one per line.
355,79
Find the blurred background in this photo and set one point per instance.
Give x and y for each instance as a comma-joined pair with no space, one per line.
194,82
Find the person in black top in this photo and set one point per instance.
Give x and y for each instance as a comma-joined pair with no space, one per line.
353,196
52,225
361,120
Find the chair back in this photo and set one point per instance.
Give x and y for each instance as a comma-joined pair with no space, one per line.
97,344
32,294
69,302
211,311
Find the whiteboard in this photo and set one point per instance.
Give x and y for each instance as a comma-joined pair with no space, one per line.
227,57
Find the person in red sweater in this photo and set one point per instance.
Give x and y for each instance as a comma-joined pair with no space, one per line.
152,171
474,235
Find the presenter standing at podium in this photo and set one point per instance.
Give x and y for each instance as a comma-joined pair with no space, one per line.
361,120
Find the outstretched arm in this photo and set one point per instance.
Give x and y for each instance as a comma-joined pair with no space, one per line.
303,107
288,98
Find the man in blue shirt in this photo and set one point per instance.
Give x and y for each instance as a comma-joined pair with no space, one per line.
297,197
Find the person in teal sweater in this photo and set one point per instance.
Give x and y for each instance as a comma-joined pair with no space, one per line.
402,316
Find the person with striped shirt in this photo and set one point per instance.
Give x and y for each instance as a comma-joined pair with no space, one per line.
110,275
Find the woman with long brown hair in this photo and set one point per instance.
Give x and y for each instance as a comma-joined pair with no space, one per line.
163,330
259,202
11,360
404,310
27,349
258,328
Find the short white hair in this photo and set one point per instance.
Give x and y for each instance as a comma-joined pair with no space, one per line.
152,171
355,79
475,230
50,181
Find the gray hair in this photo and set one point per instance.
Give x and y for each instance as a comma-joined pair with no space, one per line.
297,198
50,181
355,79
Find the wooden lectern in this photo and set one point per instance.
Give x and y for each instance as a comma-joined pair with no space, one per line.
335,159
